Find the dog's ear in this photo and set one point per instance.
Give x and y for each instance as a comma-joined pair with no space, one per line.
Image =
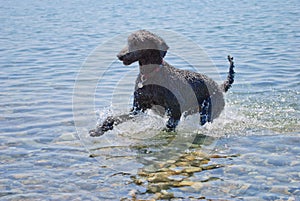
162,53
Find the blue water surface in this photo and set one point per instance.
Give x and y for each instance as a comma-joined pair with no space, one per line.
43,45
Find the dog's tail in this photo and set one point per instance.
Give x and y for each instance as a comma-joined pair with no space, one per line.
230,78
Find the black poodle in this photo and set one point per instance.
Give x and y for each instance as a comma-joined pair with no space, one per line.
165,89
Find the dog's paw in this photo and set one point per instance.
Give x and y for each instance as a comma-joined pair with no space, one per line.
100,130
96,132
167,129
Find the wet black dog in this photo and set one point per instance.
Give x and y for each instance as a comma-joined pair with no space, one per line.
165,89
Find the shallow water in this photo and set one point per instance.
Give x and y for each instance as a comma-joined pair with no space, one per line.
251,152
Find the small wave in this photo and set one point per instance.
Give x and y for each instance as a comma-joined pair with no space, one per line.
241,116
273,112
142,137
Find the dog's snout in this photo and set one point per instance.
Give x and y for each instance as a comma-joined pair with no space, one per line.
120,56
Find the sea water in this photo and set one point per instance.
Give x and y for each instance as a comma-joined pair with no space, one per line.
251,152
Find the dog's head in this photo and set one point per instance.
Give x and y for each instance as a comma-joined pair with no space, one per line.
143,46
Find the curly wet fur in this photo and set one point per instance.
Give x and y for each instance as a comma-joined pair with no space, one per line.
166,89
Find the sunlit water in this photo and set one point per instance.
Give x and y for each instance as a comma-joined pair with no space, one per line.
251,151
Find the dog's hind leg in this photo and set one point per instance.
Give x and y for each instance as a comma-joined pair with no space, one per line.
205,111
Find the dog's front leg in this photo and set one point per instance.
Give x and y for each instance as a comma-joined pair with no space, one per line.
171,124
101,129
174,118
110,122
